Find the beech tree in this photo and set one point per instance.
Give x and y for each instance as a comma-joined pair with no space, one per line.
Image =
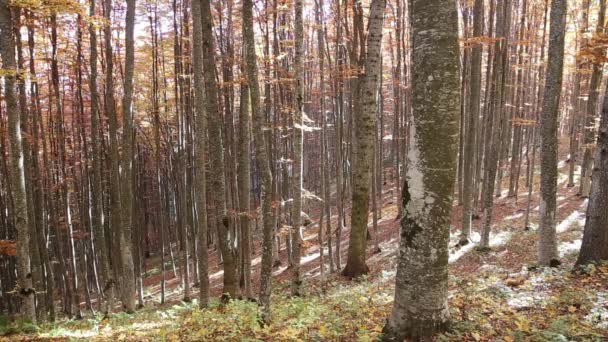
365,128
594,247
17,173
547,247
421,285
158,151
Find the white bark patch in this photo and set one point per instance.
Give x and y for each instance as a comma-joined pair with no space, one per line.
415,178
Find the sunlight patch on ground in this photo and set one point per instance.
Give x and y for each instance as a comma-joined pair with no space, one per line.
574,217
569,247
496,240
599,313
514,216
387,248
533,293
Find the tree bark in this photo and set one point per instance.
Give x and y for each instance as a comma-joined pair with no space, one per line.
297,166
126,244
471,128
201,191
365,126
547,247
216,160
17,174
262,158
421,293
594,247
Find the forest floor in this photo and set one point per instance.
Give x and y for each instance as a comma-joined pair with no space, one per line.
496,295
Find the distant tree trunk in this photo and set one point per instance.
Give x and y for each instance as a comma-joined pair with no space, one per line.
217,179
518,108
591,113
126,244
594,247
492,141
17,174
201,192
115,208
244,186
262,158
471,127
298,136
421,289
547,248
365,126
39,191
576,91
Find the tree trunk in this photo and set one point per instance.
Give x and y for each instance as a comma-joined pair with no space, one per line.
421,293
262,158
591,113
216,160
594,247
471,127
365,126
17,174
126,245
298,136
547,247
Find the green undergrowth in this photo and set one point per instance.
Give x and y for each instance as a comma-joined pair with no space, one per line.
561,304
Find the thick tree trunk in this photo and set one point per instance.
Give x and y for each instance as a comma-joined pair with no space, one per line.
547,247
594,247
421,292
17,174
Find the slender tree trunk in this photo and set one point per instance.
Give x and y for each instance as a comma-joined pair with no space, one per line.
201,192
126,244
298,137
575,118
244,186
493,130
365,126
471,127
261,157
217,179
547,247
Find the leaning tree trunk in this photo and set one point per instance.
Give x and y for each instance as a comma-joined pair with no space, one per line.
365,126
421,290
595,238
17,174
547,247
126,244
